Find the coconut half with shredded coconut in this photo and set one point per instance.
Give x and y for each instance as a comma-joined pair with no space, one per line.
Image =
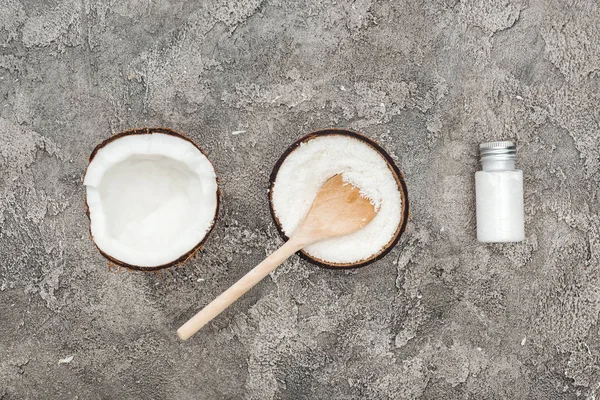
152,198
309,163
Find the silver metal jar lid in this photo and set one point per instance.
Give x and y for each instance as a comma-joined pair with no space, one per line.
499,150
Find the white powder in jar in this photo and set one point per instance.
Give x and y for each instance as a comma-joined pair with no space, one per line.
310,165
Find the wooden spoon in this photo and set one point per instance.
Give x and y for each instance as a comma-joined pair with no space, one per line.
338,210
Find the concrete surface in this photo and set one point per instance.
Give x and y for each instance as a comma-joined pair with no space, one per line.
442,317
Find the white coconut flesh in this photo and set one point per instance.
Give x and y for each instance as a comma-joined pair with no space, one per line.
152,198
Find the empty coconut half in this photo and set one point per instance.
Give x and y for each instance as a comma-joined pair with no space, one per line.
152,198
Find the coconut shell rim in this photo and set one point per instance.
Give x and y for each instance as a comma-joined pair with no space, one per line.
398,175
186,256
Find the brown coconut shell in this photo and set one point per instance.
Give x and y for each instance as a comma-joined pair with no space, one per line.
184,257
391,165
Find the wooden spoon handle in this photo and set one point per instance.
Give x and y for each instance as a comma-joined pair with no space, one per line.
226,298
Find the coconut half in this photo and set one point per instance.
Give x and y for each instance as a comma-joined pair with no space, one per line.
152,198
314,158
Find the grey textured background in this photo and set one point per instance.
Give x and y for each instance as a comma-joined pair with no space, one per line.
441,317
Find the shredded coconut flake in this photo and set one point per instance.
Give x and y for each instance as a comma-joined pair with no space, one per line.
308,167
66,360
